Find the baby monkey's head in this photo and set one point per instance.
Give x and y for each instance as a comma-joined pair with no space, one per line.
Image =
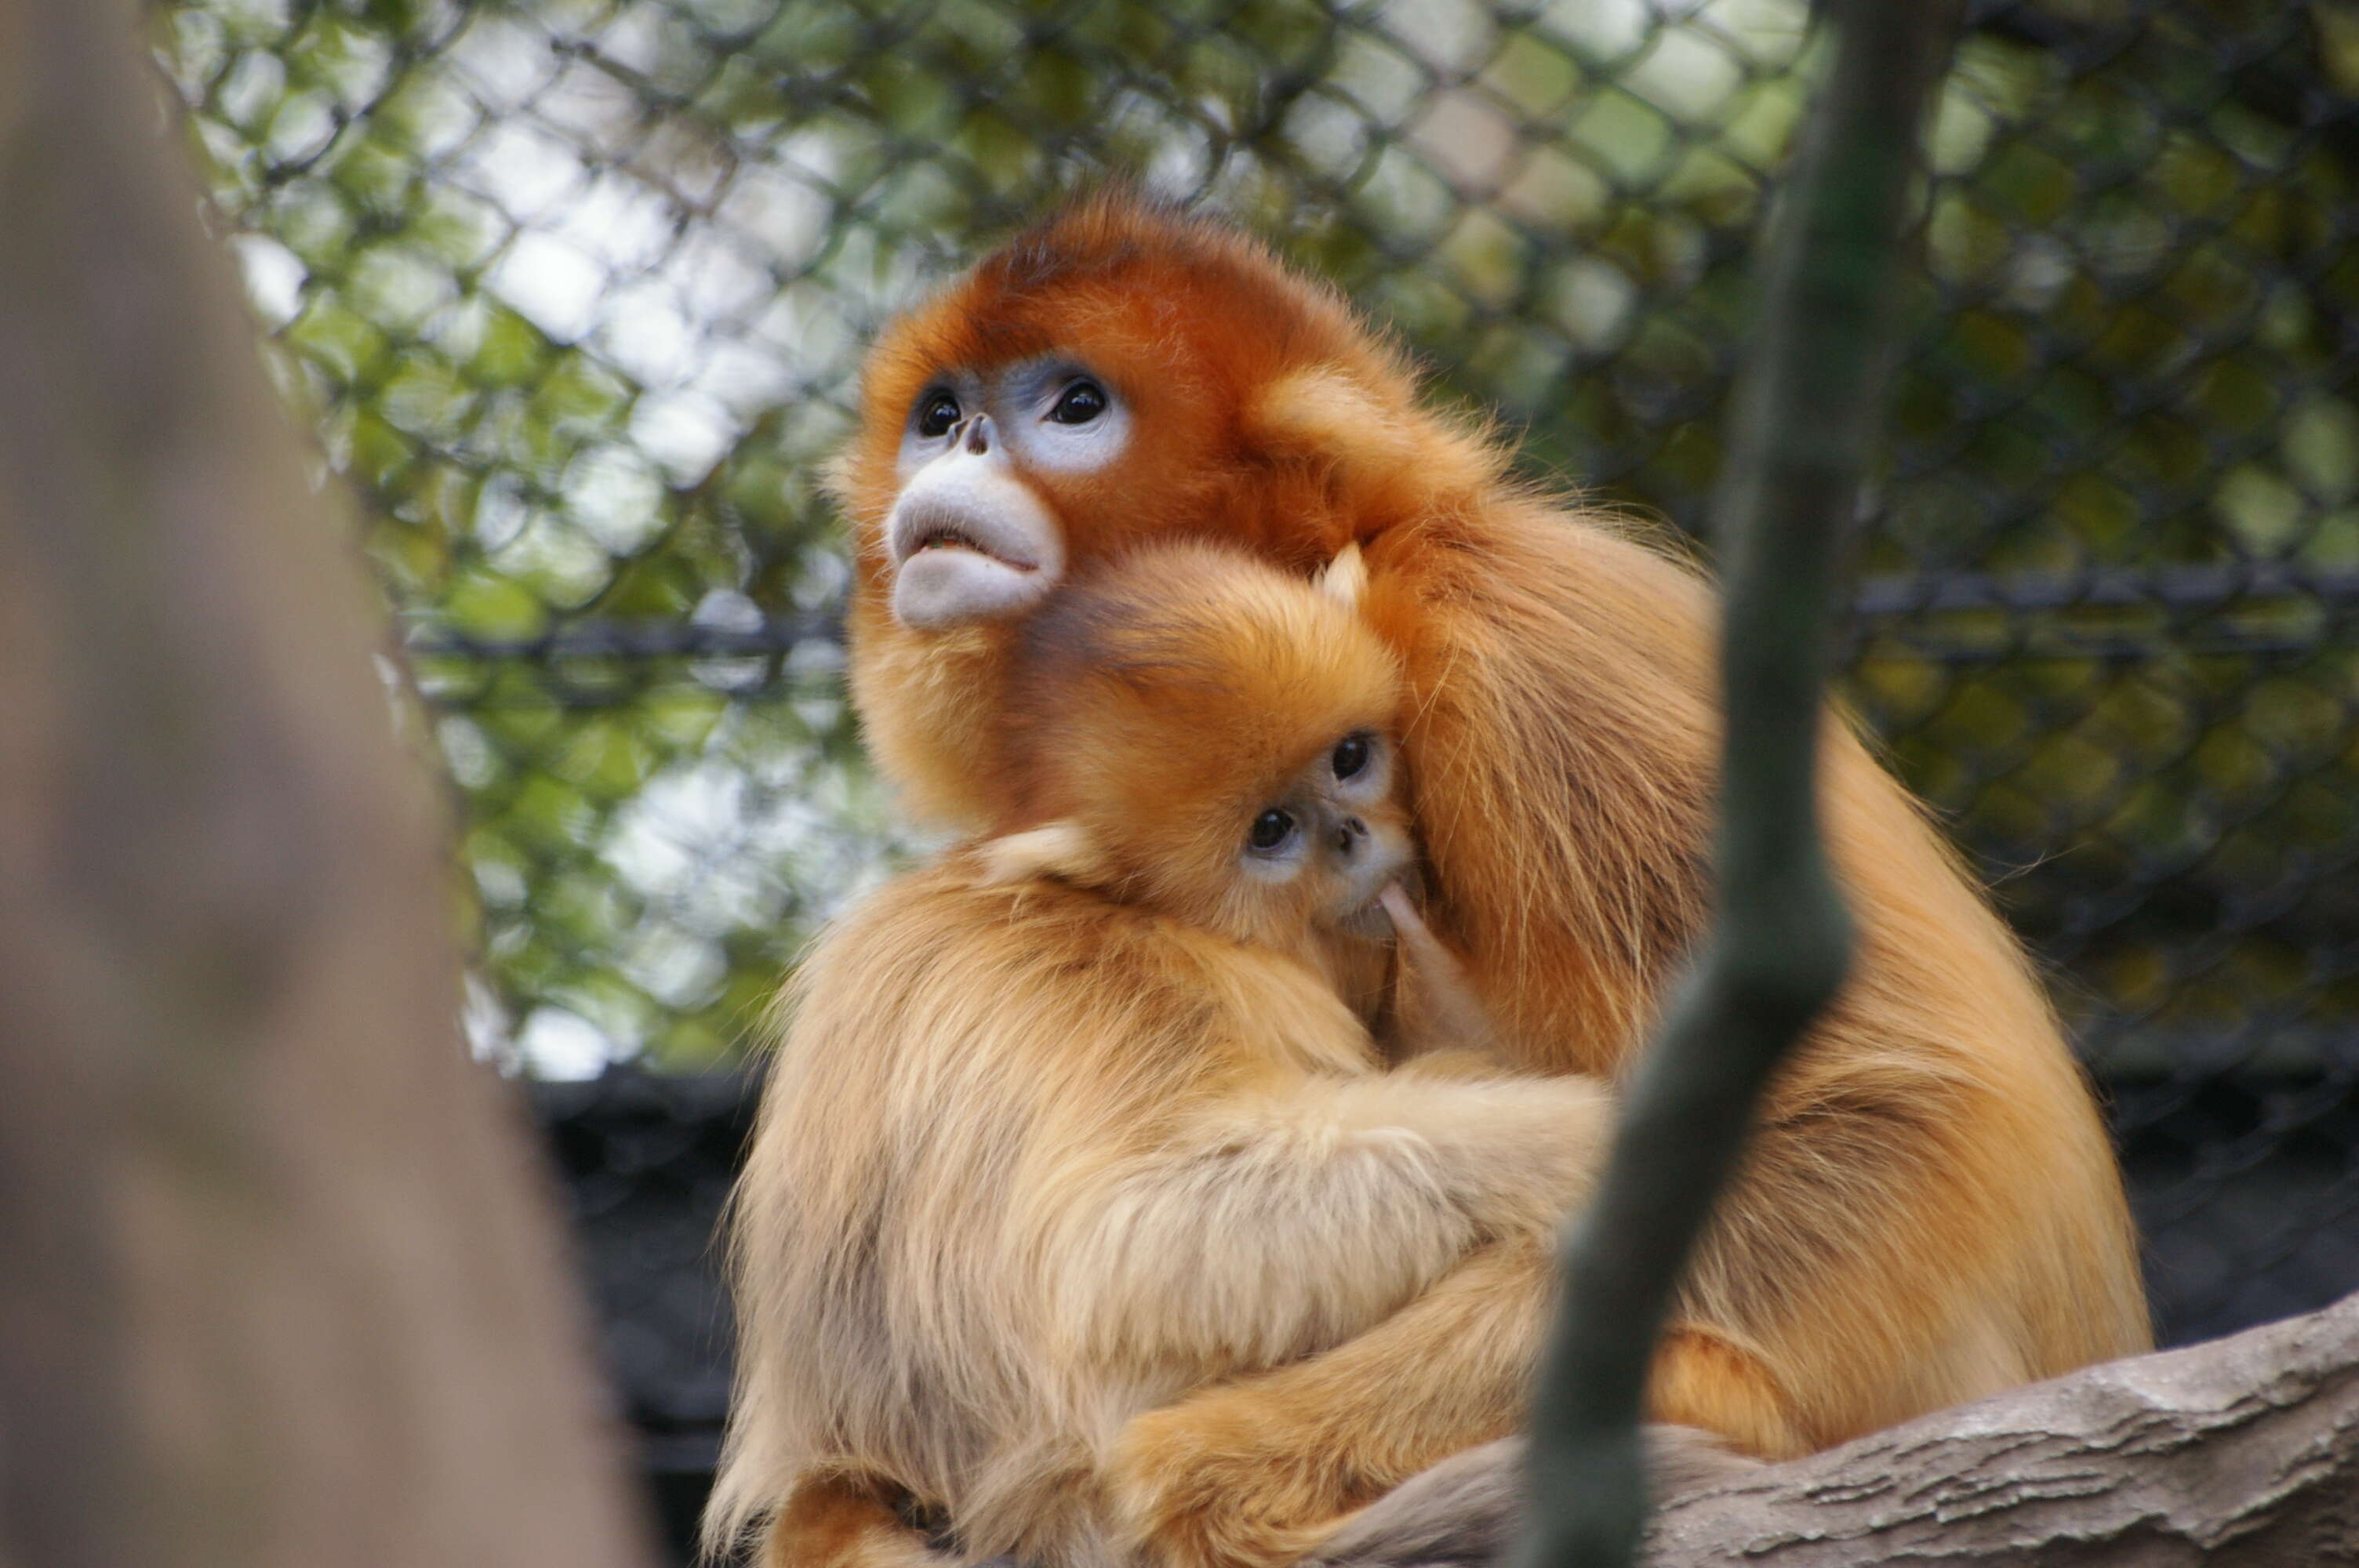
1197,732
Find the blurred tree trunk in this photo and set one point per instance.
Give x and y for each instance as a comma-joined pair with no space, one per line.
280,1281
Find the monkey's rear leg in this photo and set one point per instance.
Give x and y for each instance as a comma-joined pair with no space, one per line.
1257,1473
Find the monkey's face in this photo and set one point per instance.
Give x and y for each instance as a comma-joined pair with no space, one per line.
1033,433
1317,854
976,532
1295,862
1217,739
1091,388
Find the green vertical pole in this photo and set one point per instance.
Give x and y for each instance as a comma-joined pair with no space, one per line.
1779,942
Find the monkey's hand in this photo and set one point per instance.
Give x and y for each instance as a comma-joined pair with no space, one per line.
1436,1009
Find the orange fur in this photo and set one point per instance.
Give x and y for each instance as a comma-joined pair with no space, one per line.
1080,1120
850,1522
1929,1210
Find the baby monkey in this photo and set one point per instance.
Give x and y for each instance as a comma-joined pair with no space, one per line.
1090,1114
1195,734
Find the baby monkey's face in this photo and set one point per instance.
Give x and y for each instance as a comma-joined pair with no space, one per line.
1320,850
1208,828
1201,734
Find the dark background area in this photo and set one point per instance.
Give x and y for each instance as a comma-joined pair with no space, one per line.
575,290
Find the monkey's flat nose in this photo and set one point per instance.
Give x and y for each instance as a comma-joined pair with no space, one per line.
1350,834
978,435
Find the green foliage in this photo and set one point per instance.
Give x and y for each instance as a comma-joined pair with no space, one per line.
576,289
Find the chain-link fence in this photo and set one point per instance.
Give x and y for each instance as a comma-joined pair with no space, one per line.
576,290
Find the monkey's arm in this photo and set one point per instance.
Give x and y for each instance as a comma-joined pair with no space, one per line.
1257,1471
1294,1213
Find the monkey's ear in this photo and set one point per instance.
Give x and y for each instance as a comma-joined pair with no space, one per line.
1344,579
1060,849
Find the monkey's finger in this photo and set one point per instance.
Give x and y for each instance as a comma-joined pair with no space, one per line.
1439,1000
1424,948
1396,905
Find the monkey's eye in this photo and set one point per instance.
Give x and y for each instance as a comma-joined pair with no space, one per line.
1083,401
1270,829
1350,756
937,414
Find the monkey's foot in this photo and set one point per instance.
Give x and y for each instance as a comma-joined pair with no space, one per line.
1226,1480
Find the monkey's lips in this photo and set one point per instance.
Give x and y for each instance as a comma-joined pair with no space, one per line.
955,563
951,533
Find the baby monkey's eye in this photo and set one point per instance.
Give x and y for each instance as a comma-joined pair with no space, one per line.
941,412
1270,829
1083,401
1351,755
